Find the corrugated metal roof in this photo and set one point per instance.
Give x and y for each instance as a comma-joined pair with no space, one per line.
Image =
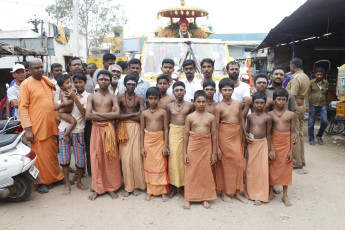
240,36
314,18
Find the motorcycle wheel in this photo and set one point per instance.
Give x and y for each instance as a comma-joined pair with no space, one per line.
335,127
21,189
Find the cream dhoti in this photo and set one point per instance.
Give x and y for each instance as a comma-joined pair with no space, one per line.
175,163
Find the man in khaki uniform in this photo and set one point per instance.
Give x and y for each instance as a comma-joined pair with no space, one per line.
299,87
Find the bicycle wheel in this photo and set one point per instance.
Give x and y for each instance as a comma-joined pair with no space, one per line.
335,127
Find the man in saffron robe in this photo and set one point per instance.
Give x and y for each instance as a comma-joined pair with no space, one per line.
37,116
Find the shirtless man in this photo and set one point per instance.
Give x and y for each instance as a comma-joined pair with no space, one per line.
199,154
163,85
260,83
283,133
258,151
102,109
128,136
154,146
177,113
209,87
230,165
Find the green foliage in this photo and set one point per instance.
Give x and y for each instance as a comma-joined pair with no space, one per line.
97,18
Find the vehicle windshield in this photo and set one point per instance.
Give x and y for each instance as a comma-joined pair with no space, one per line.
157,51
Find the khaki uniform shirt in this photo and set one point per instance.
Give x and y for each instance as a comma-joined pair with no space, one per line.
299,86
318,94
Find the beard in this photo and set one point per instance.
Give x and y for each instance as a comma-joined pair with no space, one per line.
234,76
277,82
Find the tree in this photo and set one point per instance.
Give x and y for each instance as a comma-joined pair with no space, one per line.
97,18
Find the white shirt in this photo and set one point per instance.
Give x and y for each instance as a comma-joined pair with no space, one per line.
241,91
13,94
56,93
79,128
191,88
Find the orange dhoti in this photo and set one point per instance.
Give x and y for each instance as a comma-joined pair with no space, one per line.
229,173
105,163
155,164
47,161
280,169
199,181
131,159
257,182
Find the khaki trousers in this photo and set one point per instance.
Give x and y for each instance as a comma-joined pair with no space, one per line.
298,151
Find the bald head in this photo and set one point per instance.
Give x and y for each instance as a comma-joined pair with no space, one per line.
36,68
35,61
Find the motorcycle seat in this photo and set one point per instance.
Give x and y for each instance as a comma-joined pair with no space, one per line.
7,139
10,125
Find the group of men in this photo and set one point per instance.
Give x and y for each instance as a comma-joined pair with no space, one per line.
168,136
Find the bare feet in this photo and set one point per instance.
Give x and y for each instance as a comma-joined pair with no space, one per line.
172,193
113,195
67,191
241,198
136,192
206,204
271,196
148,197
286,201
276,191
125,194
226,198
93,196
81,186
66,138
165,198
257,203
186,205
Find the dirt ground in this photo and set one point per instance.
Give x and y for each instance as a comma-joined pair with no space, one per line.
317,198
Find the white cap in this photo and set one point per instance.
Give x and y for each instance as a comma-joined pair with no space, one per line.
245,76
17,67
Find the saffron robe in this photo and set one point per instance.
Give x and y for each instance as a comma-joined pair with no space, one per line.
199,180
36,110
229,170
155,164
280,170
257,181
105,162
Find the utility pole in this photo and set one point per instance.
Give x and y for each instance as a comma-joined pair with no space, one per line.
75,28
35,22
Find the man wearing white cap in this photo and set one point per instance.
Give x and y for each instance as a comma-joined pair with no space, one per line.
18,73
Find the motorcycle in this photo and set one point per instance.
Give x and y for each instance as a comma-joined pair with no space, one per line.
336,125
17,172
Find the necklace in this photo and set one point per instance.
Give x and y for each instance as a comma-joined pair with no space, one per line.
178,106
154,110
228,103
210,111
210,104
129,99
279,115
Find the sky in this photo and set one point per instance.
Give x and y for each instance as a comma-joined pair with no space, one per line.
226,16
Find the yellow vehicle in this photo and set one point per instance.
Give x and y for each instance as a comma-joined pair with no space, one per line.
182,40
179,49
